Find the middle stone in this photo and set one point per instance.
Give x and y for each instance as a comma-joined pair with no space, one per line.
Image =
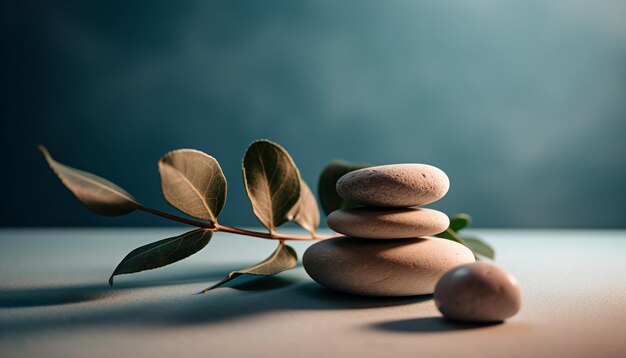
380,223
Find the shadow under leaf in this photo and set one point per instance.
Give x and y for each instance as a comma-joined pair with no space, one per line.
261,283
68,294
51,297
291,291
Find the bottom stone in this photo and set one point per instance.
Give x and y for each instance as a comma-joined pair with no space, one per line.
372,267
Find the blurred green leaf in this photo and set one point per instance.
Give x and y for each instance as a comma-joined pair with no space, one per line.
451,235
272,182
284,258
163,252
97,194
326,189
193,183
480,247
460,221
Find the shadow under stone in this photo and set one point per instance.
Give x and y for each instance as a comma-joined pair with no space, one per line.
255,283
218,306
326,298
429,324
254,296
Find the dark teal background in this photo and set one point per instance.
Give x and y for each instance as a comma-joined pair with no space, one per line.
522,103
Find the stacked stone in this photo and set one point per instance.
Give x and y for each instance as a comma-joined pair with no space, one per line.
387,250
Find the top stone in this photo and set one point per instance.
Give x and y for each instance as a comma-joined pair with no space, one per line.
394,185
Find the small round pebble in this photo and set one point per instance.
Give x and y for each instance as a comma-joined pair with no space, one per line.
373,267
478,292
394,185
379,223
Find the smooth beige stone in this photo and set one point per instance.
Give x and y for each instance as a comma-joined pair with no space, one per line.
478,292
403,267
379,223
394,185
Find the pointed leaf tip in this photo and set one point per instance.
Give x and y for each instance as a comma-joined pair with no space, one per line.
96,193
306,212
163,252
42,149
282,259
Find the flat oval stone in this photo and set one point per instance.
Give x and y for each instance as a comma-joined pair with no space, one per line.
478,292
372,267
378,223
394,185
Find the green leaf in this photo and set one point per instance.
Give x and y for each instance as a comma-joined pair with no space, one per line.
480,247
163,252
284,258
272,182
460,221
306,213
96,193
451,235
193,183
329,198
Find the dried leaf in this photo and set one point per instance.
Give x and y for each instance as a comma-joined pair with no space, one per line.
459,221
193,183
163,252
96,193
284,258
329,198
272,182
306,213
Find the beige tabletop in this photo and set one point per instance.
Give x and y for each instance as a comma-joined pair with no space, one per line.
55,302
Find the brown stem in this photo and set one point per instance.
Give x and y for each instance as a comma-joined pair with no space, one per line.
232,230
271,236
202,224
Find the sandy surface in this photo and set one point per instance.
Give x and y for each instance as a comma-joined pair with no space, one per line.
55,302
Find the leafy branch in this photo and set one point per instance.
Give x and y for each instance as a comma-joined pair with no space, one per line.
193,183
